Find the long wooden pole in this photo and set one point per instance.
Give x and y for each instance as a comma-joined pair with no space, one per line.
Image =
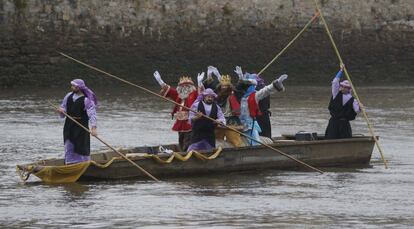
290,43
116,151
352,85
171,101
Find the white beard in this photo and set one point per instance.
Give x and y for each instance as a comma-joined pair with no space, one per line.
184,91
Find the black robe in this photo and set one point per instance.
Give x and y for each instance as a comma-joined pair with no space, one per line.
264,119
203,128
339,126
79,137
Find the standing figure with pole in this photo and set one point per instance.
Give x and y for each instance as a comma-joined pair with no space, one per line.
203,132
80,104
343,108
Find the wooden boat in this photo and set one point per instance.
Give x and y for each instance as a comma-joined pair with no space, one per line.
319,153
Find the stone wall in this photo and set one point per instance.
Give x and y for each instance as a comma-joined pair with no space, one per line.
132,38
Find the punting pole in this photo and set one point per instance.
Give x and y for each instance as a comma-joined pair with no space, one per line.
290,43
171,101
352,85
116,151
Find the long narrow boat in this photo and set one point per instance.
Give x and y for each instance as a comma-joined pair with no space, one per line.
318,153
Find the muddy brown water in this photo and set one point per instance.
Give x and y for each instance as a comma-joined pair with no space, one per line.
355,197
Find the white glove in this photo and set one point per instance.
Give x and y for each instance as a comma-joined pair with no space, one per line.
157,77
213,70
200,78
210,70
282,78
278,83
239,72
217,73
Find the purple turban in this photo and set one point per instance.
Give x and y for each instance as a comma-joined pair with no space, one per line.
345,83
85,90
260,80
207,92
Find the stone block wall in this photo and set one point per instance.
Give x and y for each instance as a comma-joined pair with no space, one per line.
133,38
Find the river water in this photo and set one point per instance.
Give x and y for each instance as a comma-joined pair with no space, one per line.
360,198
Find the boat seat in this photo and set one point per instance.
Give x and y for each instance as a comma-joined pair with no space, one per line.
223,144
266,140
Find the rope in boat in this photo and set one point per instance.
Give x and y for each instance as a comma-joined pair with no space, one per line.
352,85
173,156
102,166
290,43
180,157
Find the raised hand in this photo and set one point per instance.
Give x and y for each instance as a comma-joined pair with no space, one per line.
213,70
210,70
200,77
157,77
278,83
282,78
217,73
239,72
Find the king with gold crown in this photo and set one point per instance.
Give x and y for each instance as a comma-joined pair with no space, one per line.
231,110
185,94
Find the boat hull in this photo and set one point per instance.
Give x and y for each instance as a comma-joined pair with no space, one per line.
321,153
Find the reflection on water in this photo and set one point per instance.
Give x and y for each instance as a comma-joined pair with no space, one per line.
342,197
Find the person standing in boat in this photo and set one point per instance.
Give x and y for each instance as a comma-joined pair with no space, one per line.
343,108
81,105
185,94
264,106
231,110
263,119
249,103
203,129
228,103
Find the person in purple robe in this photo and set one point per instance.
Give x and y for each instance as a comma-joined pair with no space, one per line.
342,107
80,104
203,129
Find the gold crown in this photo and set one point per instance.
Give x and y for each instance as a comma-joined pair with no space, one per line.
225,80
185,80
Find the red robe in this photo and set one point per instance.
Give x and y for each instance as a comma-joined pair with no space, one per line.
234,105
253,106
181,115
